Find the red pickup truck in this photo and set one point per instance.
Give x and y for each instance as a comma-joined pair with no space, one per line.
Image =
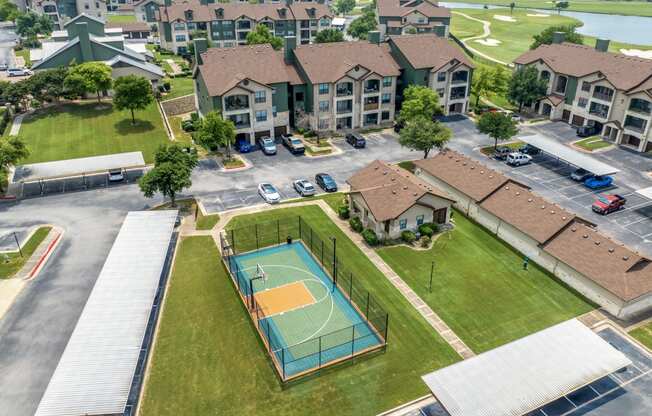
608,203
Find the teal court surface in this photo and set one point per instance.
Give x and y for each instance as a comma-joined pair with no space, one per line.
305,319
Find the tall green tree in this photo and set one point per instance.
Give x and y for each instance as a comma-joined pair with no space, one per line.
344,6
132,92
171,173
423,134
498,126
525,86
91,77
262,35
329,35
546,36
12,150
31,24
17,94
488,80
214,131
8,10
48,85
364,24
419,101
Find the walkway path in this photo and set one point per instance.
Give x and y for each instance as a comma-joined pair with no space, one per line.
486,31
433,319
15,127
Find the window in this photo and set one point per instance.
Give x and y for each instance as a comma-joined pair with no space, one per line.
387,81
457,93
344,89
385,115
323,124
260,97
324,22
599,110
227,24
460,77
545,75
240,120
86,6
582,102
179,26
274,111
640,106
402,224
441,92
603,93
323,89
180,38
635,123
244,25
236,102
97,5
344,106
298,96
323,106
586,86
561,84
228,44
419,220
441,76
261,115
386,98
371,85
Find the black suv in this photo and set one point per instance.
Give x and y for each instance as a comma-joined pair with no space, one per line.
356,140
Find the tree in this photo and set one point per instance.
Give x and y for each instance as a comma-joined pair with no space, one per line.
499,126
16,94
90,77
12,150
419,101
132,92
171,173
489,80
214,131
344,6
48,85
329,35
31,24
546,36
525,86
262,35
511,7
8,10
364,24
424,134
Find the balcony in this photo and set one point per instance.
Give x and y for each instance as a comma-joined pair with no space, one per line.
635,124
639,106
458,93
344,107
241,121
236,102
461,77
599,110
602,93
344,90
371,87
371,106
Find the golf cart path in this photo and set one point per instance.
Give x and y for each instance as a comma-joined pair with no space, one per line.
486,27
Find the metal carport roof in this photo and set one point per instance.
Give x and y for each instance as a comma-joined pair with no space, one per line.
567,154
71,167
95,372
526,374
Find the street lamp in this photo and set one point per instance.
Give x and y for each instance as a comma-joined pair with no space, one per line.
334,240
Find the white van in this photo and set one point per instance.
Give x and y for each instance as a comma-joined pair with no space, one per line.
518,159
18,72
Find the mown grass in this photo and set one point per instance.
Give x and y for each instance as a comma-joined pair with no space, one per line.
121,18
180,86
643,334
11,263
631,8
592,143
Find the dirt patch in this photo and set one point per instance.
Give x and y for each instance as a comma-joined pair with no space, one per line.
488,42
504,18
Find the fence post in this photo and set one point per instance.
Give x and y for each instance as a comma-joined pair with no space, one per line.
269,339
353,340
283,362
322,254
233,240
310,238
320,351
351,287
256,227
251,293
386,326
300,228
278,231
367,311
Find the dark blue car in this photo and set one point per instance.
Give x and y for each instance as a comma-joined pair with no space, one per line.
597,182
242,145
326,182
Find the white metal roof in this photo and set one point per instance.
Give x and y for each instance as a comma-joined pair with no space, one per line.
526,374
95,372
646,192
338,21
572,156
71,167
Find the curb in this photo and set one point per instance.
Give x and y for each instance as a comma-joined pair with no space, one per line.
45,257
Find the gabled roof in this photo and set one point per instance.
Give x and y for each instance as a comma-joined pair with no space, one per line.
465,174
389,190
528,212
611,265
83,15
328,62
624,72
224,68
393,8
429,51
145,66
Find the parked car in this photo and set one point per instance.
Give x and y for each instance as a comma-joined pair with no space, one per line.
304,187
267,144
269,193
580,175
18,72
243,145
116,175
3,67
588,131
326,182
293,144
356,140
528,149
608,203
518,159
502,152
597,182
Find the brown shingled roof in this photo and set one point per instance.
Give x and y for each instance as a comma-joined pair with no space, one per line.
224,68
130,26
465,174
393,8
328,62
623,71
519,206
389,190
609,264
429,51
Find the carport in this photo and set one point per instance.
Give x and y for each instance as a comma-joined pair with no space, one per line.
75,174
569,155
525,375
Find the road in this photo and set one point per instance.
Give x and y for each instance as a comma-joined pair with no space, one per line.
7,42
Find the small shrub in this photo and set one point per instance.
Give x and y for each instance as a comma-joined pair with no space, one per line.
167,85
309,133
343,212
370,237
425,229
188,125
161,88
194,116
425,241
356,224
408,236
301,130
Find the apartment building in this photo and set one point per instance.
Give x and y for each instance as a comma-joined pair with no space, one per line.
323,87
227,24
401,17
62,11
435,62
590,86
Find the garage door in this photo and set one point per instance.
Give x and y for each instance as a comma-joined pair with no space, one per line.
278,130
259,134
578,121
565,116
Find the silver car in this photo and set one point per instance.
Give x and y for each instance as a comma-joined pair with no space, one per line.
304,187
269,193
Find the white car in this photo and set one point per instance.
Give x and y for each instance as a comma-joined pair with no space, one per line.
304,187
518,159
116,175
269,193
18,72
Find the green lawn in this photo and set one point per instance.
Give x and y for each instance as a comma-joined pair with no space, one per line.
180,86
206,222
643,334
334,200
119,18
24,53
593,143
635,8
79,130
10,263
208,358
179,134
480,288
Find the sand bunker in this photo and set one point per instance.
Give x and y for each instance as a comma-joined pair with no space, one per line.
538,15
504,18
637,52
488,42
